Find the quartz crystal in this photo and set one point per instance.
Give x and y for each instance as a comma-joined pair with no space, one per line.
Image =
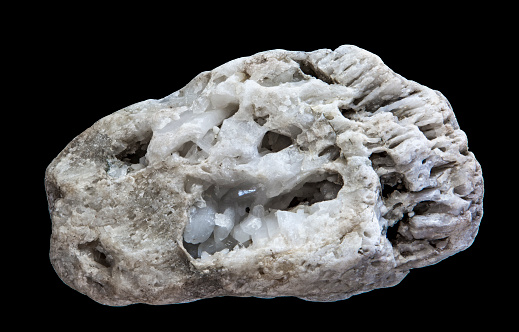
319,175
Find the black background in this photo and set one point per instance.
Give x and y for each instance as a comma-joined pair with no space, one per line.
89,63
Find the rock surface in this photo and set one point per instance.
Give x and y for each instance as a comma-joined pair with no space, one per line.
317,174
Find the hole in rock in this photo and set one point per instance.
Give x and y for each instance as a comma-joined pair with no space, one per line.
188,148
381,159
91,281
348,113
309,193
357,100
261,120
422,207
54,193
230,217
275,142
133,158
394,99
135,151
387,190
309,69
426,207
439,243
333,152
392,233
98,253
429,130
390,183
435,170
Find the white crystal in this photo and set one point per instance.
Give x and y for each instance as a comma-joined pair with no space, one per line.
201,224
251,224
239,234
224,223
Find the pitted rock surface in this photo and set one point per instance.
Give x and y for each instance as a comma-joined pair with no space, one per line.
319,175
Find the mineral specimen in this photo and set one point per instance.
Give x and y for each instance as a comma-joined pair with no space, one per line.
319,175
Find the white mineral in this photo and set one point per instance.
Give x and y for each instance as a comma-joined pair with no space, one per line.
319,175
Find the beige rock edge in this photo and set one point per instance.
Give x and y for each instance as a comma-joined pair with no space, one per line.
363,174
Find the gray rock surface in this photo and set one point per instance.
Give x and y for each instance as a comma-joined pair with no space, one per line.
317,174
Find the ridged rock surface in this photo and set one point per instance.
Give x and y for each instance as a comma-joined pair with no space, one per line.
317,174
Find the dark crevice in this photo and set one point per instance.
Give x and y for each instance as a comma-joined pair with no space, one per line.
310,193
135,151
366,93
261,120
381,159
428,130
426,207
391,101
396,141
275,142
348,113
412,93
54,193
464,150
295,202
390,183
392,233
91,281
387,190
428,127
333,152
192,249
397,98
439,243
97,251
309,69
422,207
440,168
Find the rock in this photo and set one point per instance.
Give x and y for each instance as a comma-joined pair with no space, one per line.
319,175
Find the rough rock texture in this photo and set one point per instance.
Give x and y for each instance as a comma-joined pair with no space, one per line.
319,175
